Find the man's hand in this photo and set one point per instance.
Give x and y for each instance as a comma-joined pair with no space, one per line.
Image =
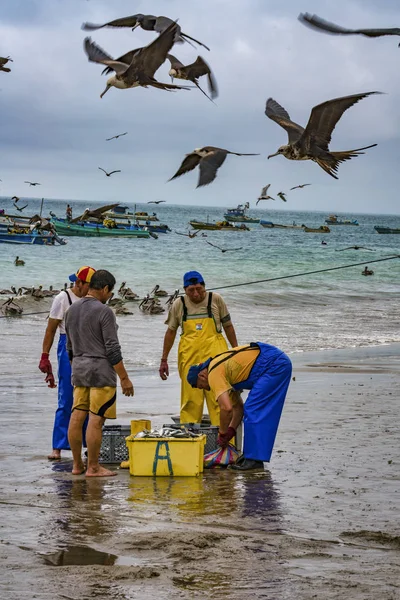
45,364
127,386
164,369
224,438
50,380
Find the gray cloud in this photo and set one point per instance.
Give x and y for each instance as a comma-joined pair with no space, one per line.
54,124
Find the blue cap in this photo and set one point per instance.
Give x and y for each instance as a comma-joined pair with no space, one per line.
195,370
192,278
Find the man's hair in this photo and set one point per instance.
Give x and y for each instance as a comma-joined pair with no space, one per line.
100,279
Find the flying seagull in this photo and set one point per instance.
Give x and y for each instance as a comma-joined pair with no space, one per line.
4,61
136,68
316,22
189,234
264,194
356,248
192,72
282,196
20,208
110,173
223,249
155,201
300,186
115,137
312,143
32,183
148,23
209,158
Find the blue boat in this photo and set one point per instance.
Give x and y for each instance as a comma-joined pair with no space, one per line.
41,238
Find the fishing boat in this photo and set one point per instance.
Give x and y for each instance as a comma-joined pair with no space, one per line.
123,212
88,229
270,224
321,229
238,214
218,226
335,220
380,229
17,235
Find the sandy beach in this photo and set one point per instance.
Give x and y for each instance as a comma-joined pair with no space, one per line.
322,521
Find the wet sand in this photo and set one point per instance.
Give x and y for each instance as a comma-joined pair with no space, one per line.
322,522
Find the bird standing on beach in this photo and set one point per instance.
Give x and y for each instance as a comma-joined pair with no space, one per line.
282,196
192,73
137,67
299,186
315,22
223,250
32,183
148,23
110,173
264,194
115,137
312,143
209,159
4,61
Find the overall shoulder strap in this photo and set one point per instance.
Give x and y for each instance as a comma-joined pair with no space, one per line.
69,297
209,311
230,353
184,318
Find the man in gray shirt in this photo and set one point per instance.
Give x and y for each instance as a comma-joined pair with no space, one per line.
95,353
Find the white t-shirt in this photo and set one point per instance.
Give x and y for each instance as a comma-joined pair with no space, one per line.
60,306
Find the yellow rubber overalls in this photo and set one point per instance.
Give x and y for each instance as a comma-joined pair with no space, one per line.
200,340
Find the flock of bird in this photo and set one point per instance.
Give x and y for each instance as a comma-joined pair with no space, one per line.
138,67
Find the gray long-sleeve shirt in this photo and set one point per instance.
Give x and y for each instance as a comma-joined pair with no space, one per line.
92,343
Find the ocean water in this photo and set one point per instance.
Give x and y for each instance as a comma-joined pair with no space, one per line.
333,309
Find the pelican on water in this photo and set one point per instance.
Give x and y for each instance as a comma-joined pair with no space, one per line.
312,143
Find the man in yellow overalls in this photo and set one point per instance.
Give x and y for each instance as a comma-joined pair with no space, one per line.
201,315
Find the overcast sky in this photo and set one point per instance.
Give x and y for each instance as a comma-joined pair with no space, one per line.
54,124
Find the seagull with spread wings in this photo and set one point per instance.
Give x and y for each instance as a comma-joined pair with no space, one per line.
356,248
155,201
20,208
32,183
192,73
115,137
137,67
264,194
223,250
148,23
209,159
4,61
282,196
300,186
110,172
189,234
315,22
312,143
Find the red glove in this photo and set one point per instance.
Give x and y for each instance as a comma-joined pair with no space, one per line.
45,364
164,370
224,438
50,380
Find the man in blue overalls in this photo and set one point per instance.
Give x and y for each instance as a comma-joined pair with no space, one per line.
59,307
266,372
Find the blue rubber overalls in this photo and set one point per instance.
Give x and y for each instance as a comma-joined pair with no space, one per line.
65,395
268,383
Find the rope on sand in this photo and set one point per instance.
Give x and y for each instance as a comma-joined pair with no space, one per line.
233,285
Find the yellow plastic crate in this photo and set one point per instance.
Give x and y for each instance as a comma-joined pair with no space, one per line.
182,457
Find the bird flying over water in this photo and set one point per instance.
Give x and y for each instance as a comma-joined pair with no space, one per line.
4,61
137,67
312,143
110,173
115,137
264,194
155,201
20,208
192,73
282,196
356,248
32,183
148,23
189,234
223,249
209,159
315,22
300,186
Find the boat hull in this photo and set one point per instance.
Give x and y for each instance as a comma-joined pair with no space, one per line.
217,226
386,229
270,224
85,229
27,238
322,229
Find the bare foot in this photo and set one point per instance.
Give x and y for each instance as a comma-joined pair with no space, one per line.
99,472
78,468
55,455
